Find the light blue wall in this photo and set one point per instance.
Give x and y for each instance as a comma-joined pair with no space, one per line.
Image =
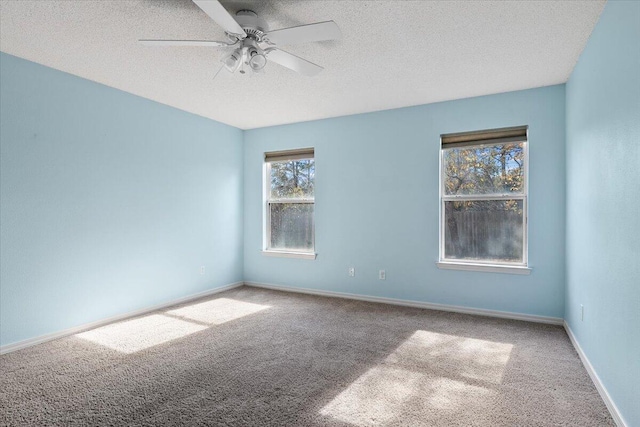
109,202
377,203
603,203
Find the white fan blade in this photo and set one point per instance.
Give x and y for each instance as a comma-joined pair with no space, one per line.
218,13
199,43
320,31
293,62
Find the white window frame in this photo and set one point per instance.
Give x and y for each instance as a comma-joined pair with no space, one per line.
489,265
298,154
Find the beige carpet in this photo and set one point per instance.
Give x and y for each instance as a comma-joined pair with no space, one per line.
252,357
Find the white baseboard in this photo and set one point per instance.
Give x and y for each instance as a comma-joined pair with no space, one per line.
611,406
416,304
76,329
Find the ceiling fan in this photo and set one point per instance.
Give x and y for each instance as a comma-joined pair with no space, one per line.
254,43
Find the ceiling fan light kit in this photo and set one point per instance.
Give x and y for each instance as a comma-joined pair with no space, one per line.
232,61
255,44
257,61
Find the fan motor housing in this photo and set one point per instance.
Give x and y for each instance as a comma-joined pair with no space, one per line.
254,26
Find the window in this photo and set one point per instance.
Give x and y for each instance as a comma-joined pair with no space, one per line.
483,187
290,202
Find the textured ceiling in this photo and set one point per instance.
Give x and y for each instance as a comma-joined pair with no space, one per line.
393,53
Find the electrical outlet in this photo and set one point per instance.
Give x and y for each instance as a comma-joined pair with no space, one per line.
352,272
202,270
581,313
382,275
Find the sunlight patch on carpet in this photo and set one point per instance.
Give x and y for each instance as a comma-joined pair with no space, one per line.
444,375
376,397
454,356
217,311
385,394
131,336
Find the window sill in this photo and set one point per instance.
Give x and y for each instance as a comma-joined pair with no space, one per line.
285,254
488,268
